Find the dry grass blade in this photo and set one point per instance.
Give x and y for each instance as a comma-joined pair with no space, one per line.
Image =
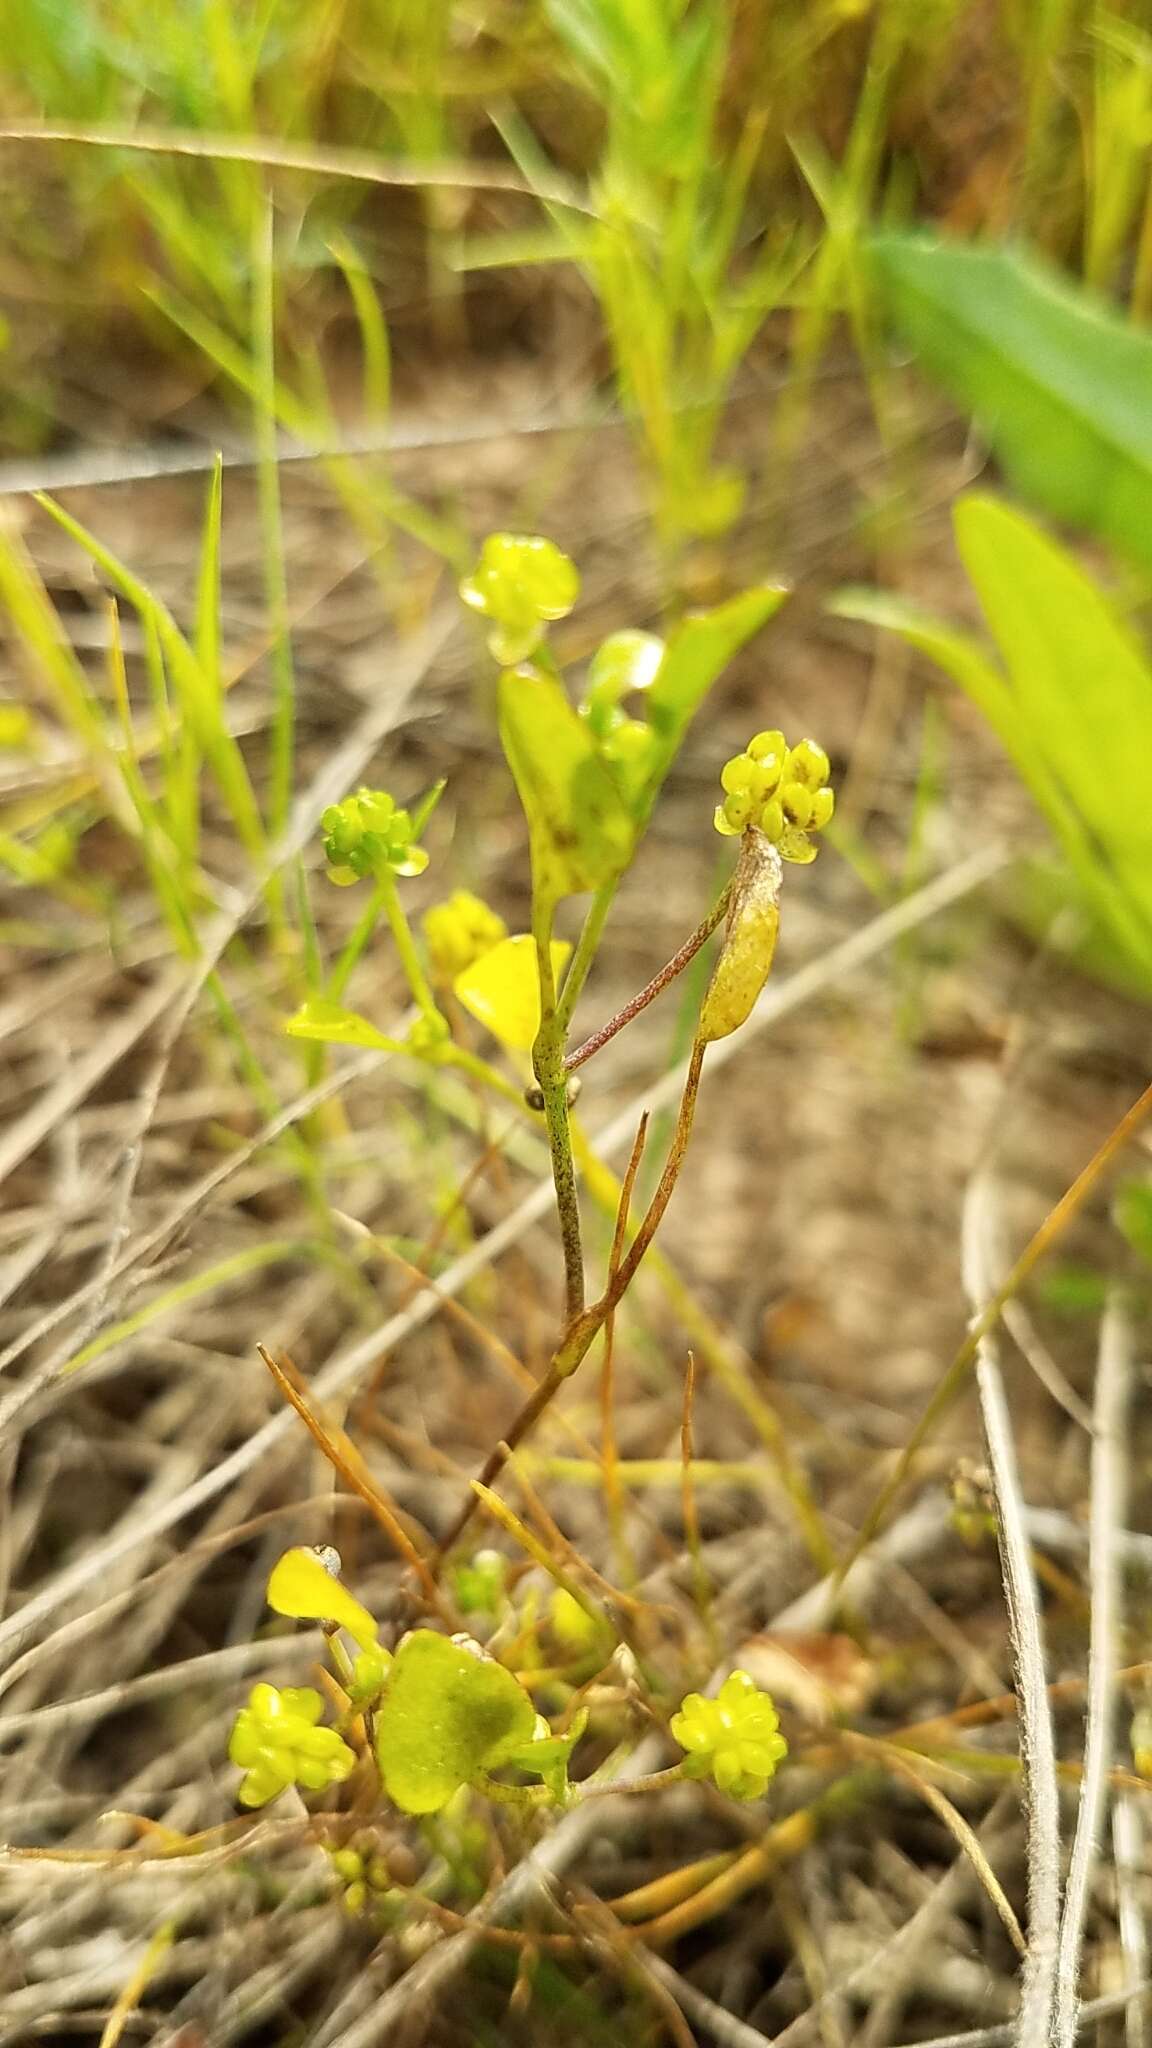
1109,1488
964,1836
360,165
1037,1740
1002,2036
1128,1851
886,1973
724,2027
346,1461
137,1983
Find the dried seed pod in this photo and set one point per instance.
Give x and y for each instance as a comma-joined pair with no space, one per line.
749,938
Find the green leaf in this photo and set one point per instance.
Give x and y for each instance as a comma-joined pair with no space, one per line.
1072,705
1058,383
698,651
447,1714
548,1758
1080,679
580,831
330,1024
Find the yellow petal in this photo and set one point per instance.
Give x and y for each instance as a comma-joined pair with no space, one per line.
303,1587
502,992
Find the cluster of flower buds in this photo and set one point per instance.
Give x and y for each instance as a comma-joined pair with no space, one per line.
520,583
458,932
781,790
276,1743
734,1739
367,834
368,1875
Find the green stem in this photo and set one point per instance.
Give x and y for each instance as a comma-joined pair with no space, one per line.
586,948
548,1065
655,1781
268,486
526,1797
584,1328
406,947
341,974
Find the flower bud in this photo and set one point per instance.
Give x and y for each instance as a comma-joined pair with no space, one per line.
782,791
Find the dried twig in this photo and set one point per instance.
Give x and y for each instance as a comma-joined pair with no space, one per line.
1037,1740
1128,1851
1109,1487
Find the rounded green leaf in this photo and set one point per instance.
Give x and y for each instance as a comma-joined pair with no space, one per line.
448,1713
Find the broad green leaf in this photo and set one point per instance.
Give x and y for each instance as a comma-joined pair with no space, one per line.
502,989
1080,680
1059,384
578,824
698,651
302,1586
331,1024
447,1714
1072,706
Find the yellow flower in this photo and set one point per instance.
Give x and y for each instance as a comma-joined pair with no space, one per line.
734,1739
459,932
782,791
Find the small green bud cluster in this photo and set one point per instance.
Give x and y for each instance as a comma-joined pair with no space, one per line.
366,835
781,790
520,582
276,1742
366,1875
459,932
626,663
734,1739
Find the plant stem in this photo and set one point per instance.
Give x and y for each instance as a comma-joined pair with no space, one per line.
586,948
655,1781
582,1331
609,1448
268,483
406,945
626,1273
655,987
548,1065
341,974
